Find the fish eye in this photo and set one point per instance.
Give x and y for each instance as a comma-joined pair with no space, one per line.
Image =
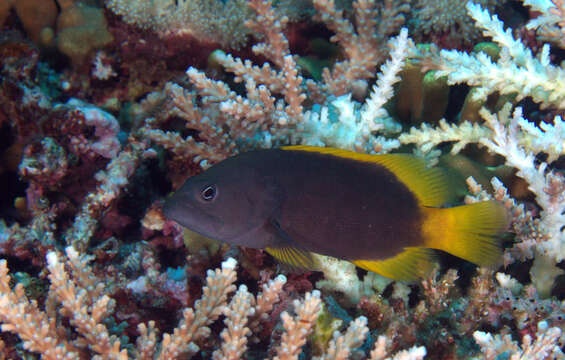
208,193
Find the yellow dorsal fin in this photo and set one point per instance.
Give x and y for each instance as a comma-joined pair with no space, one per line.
296,258
471,232
412,264
429,185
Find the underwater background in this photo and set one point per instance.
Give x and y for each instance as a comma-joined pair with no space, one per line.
108,107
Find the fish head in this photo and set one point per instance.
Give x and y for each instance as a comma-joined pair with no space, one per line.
228,202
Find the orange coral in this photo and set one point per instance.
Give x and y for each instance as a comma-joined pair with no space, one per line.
35,15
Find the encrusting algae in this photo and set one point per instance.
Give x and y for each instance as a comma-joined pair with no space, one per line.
382,212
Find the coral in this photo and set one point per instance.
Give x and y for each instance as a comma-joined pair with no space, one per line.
349,75
542,348
23,316
37,17
323,331
106,129
90,148
264,119
549,24
511,73
517,72
447,20
342,345
102,69
46,165
420,96
85,304
208,21
74,27
80,30
110,183
354,129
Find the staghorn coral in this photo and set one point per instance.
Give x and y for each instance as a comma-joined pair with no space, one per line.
542,348
359,46
549,24
84,303
517,71
273,111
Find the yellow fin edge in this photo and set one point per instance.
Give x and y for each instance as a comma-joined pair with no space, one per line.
293,257
412,264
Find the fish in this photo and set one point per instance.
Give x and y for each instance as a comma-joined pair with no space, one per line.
384,213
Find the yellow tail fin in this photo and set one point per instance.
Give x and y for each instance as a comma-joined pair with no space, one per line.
470,232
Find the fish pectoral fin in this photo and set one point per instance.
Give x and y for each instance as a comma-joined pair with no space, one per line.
293,257
286,252
412,264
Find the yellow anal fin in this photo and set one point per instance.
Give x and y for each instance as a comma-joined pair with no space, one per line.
471,232
412,264
429,184
293,257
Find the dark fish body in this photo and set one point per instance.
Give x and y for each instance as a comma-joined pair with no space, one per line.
378,211
336,206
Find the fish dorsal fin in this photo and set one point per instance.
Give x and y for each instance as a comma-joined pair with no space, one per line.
412,264
430,185
293,257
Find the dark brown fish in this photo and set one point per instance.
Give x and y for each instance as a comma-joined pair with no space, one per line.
381,212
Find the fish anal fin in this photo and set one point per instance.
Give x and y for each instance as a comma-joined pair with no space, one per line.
430,185
293,257
412,264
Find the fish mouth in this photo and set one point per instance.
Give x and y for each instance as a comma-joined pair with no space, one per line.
170,209
193,219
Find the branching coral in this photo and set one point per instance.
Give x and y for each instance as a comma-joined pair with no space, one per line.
136,281
446,20
516,72
86,310
350,75
354,128
273,112
549,24
543,347
83,302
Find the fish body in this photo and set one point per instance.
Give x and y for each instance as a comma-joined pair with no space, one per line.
382,212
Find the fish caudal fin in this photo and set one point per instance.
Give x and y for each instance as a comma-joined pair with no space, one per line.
471,232
411,264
